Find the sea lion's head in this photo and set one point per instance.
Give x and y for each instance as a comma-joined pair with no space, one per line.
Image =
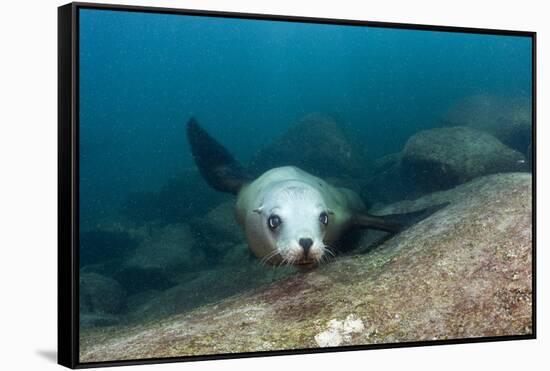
288,225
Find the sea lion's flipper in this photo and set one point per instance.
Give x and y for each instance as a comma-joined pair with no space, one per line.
216,165
394,223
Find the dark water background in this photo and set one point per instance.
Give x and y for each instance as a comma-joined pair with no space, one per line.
142,76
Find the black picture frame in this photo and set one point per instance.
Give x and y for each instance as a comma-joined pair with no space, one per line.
68,176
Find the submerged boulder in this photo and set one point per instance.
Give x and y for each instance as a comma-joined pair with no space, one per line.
442,158
166,252
316,144
206,287
237,255
217,231
101,300
507,118
464,272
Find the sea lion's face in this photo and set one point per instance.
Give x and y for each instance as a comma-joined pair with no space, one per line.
293,221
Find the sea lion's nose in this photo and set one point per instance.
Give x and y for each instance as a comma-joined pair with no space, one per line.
306,244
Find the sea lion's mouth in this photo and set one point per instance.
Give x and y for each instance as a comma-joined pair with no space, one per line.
305,263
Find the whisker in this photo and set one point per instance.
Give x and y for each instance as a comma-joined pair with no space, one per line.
328,254
263,261
330,250
290,261
268,257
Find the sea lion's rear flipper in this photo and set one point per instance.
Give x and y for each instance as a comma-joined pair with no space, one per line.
216,165
394,223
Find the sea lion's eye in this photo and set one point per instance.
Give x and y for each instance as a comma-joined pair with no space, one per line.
273,222
323,218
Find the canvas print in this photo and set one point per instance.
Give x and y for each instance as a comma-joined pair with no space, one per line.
252,185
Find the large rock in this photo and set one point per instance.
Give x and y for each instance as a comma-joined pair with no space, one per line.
317,144
101,300
464,272
445,157
207,287
507,118
166,252
217,231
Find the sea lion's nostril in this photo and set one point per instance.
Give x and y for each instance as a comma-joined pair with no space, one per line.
306,244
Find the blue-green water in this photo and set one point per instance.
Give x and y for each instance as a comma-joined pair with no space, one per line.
143,75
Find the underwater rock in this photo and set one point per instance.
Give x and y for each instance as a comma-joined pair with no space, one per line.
141,298
161,256
218,231
207,287
177,201
507,118
386,162
445,157
387,184
464,272
316,144
98,320
237,254
100,298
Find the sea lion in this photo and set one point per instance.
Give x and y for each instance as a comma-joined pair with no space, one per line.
289,216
